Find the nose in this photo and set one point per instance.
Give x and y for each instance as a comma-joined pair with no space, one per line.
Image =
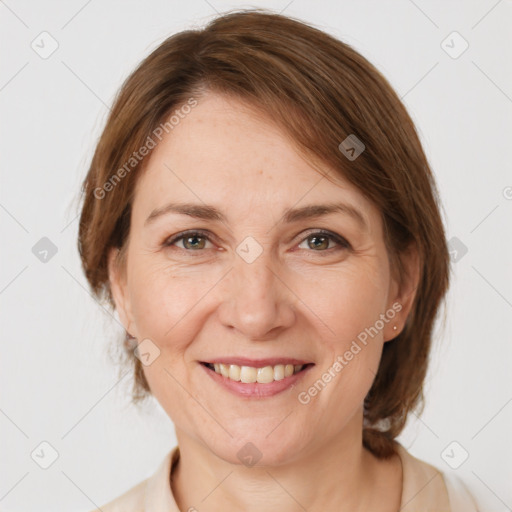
256,300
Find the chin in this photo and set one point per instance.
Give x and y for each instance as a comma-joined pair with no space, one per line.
258,449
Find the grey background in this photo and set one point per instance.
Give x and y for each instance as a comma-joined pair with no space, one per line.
56,380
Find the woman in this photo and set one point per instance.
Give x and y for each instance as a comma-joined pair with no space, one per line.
261,214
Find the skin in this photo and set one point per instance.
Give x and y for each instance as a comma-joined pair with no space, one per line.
294,300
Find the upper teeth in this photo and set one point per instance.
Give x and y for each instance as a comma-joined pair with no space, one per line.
250,374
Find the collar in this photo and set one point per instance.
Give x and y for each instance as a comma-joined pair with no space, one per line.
159,497
423,486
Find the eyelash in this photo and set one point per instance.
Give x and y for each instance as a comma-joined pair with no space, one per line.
198,233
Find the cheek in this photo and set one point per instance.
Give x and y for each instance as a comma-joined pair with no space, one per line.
346,301
349,308
165,307
163,304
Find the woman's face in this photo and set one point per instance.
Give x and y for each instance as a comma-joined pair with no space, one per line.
260,288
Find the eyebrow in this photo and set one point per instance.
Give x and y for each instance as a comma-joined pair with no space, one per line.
208,212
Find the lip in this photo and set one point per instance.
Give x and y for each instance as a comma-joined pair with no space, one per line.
255,389
256,363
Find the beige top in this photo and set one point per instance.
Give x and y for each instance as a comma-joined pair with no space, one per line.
424,489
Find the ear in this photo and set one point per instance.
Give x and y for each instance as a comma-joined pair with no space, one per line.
403,291
118,286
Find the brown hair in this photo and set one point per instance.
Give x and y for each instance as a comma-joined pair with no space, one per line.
320,91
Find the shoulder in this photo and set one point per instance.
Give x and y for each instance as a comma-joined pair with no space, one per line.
130,501
460,497
152,493
426,487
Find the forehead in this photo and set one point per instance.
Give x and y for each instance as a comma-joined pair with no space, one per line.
226,152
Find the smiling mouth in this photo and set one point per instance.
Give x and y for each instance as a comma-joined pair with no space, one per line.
250,374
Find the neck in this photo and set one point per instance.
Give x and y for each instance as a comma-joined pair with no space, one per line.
339,474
